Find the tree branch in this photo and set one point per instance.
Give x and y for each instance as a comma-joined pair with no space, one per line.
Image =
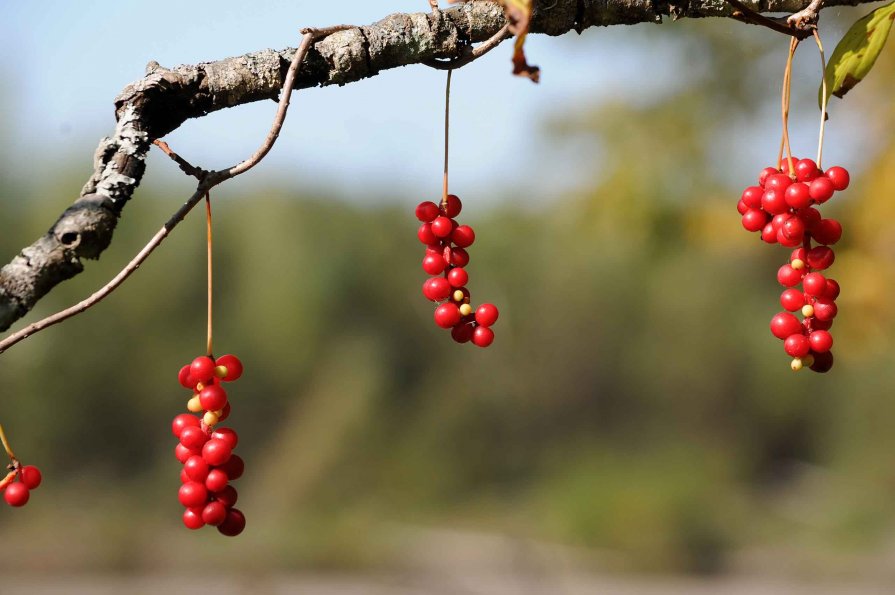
165,98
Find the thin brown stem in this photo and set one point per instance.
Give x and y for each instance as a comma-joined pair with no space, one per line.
447,128
208,349
795,28
823,101
185,166
6,445
473,53
207,181
784,100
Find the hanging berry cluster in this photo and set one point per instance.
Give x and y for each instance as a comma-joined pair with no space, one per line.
20,479
206,451
445,259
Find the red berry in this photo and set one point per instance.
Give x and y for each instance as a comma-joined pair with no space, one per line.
792,300
486,314
436,289
233,365
216,480
442,227
482,336
453,206
202,369
182,421
184,378
742,207
426,211
754,219
797,345
821,189
457,277
426,235
810,216
196,468
763,175
16,494
794,228
225,412
778,182
233,524
769,234
821,341
213,397
457,257
192,518
822,362
184,477
192,494
825,309
788,276
234,467
182,453
227,496
797,196
827,231
814,284
214,513
806,170
752,197
193,438
820,257
447,315
216,452
228,435
785,324
817,325
838,176
785,240
30,476
774,202
832,290
462,333
433,264
463,236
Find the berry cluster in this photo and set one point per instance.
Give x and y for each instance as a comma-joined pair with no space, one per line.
205,451
17,493
782,208
445,259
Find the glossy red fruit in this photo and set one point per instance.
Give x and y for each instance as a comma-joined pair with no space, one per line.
457,257
433,264
832,290
234,524
426,235
202,369
818,325
763,175
827,231
822,362
214,513
436,289
462,333
788,276
233,365
228,435
774,202
821,189
794,228
486,314
30,476
16,494
427,211
182,421
797,345
192,518
820,257
785,240
196,468
457,277
213,397
216,452
838,176
453,206
778,220
769,234
184,378
183,476
814,284
193,438
192,494
792,300
234,467
447,315
227,496
825,309
442,226
182,453
463,236
742,207
225,412
821,341
810,216
797,196
482,336
216,480
754,219
778,182
798,253
806,170
752,197
785,324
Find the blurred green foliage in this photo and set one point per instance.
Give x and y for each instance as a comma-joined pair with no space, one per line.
633,402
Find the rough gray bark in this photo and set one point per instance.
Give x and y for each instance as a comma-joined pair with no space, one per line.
165,98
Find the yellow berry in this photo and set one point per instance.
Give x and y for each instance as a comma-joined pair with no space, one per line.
465,309
796,365
458,296
210,418
194,404
798,264
220,371
807,310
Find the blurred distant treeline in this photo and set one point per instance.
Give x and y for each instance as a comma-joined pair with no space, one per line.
633,402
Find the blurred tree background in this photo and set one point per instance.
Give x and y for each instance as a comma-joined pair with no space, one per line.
634,406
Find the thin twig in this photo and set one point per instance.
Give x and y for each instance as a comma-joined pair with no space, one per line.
185,166
208,349
6,446
746,15
785,100
823,101
473,54
447,128
207,181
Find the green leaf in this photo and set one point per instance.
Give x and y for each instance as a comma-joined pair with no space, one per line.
857,51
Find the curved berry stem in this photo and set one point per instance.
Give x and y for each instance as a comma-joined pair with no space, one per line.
208,227
784,100
823,101
6,446
447,125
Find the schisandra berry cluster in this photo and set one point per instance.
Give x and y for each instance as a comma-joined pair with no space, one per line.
782,208
445,259
17,493
205,451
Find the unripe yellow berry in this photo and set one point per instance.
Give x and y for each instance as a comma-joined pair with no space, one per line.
210,418
796,365
807,310
808,360
194,404
220,371
465,309
458,296
798,264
